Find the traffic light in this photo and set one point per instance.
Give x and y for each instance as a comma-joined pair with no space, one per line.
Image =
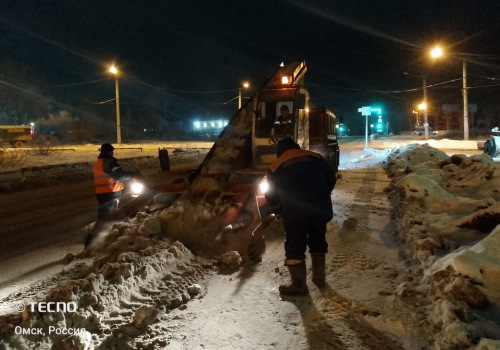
379,125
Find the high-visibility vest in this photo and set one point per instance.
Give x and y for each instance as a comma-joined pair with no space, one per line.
104,183
294,153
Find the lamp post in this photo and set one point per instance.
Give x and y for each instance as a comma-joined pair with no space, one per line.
426,121
417,123
424,104
466,103
245,85
114,71
438,52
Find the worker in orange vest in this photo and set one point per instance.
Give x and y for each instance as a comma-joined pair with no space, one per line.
300,187
108,180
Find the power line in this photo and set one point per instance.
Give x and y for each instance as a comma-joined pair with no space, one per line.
78,84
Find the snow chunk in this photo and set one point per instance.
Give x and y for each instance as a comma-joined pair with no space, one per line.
434,197
150,226
145,315
194,289
482,262
231,259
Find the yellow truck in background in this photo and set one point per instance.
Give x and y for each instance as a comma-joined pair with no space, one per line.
15,135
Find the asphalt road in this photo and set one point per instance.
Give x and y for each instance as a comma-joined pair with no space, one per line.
47,216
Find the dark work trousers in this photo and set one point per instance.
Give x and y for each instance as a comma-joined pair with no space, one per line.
306,230
106,203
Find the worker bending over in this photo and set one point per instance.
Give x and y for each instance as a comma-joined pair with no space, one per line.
300,186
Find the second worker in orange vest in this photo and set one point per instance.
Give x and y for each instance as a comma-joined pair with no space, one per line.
108,180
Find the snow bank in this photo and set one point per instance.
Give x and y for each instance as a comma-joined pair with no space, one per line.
118,302
446,209
441,144
481,263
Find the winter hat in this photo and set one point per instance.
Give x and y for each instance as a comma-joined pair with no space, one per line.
106,148
285,144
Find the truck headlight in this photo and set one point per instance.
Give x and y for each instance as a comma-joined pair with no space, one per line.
263,186
136,188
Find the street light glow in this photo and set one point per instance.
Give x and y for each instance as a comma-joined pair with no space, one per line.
422,106
436,52
244,85
114,71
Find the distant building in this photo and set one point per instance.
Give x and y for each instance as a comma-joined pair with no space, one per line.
452,117
209,128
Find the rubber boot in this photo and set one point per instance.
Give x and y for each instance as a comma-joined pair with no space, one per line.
298,274
318,269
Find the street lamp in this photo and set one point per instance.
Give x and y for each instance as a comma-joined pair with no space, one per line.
424,87
438,52
417,120
423,107
114,71
245,85
466,102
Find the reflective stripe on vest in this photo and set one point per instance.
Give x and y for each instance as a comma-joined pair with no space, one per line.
291,154
104,183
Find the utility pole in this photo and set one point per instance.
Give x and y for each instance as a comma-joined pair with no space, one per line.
426,122
118,122
466,103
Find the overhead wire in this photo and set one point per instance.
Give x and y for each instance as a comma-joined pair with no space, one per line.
78,84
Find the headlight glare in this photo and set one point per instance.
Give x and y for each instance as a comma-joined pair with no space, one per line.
137,188
263,186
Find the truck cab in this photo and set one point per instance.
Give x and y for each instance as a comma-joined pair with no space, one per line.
312,128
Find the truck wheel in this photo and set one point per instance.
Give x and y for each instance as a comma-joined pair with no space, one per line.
18,144
490,148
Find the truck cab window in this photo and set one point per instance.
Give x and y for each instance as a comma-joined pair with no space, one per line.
274,119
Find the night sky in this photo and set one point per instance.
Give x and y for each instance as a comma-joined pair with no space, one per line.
197,53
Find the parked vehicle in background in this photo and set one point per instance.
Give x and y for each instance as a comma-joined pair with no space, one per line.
15,135
490,146
420,130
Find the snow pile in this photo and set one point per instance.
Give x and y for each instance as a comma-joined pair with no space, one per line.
139,274
200,215
119,302
448,213
197,224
